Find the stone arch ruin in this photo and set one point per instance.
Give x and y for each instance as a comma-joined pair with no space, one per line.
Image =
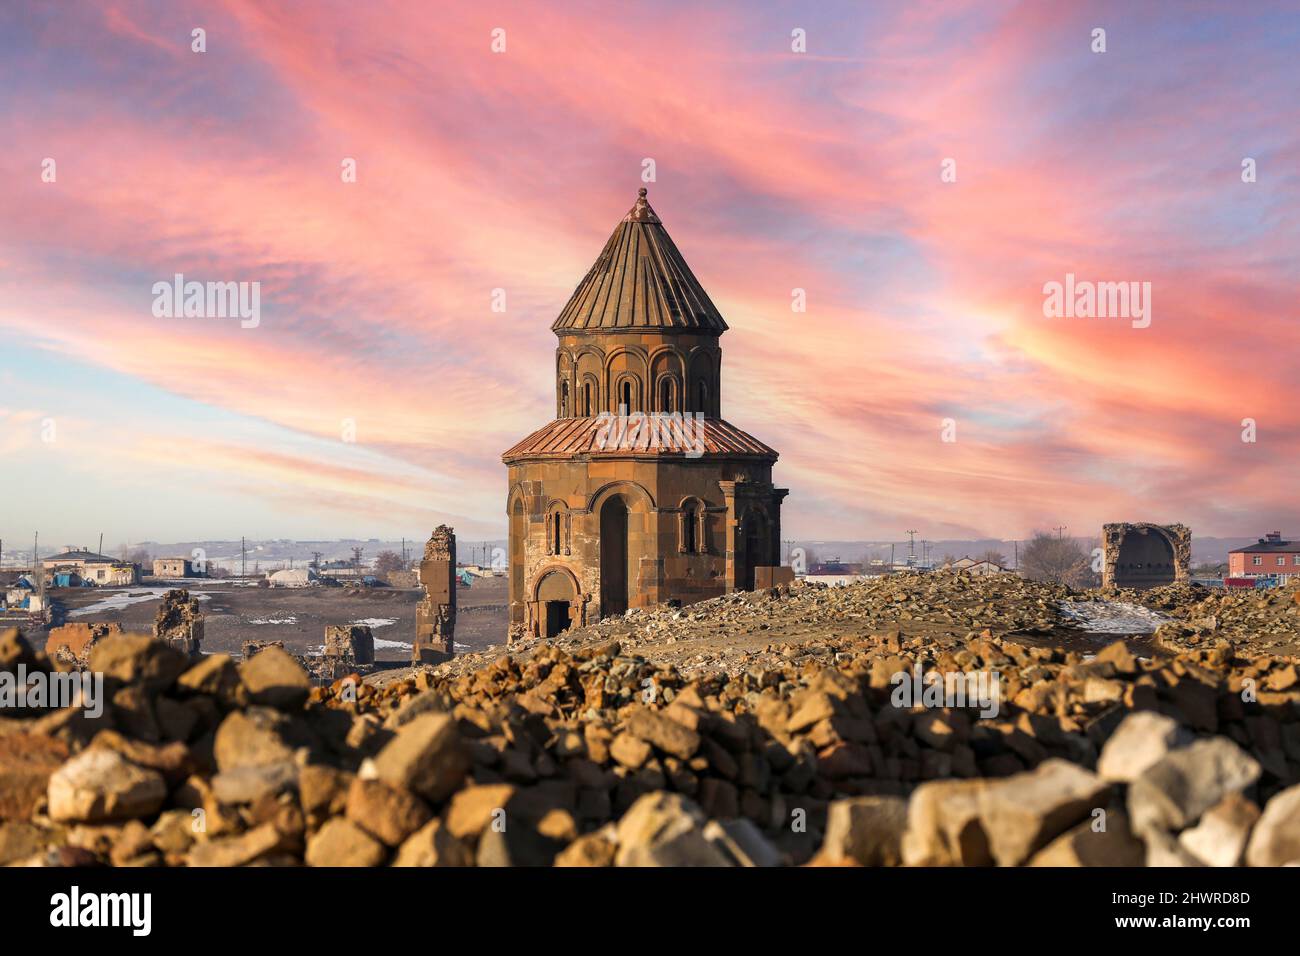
1143,555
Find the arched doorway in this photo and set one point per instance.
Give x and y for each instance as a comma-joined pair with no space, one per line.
1146,560
613,556
556,599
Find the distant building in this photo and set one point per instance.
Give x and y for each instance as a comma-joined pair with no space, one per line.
95,568
293,578
835,572
835,567
975,566
173,568
341,569
1270,556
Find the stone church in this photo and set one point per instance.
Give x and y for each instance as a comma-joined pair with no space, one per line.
638,491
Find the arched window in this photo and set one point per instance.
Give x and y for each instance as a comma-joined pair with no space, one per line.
702,402
690,527
625,395
666,396
564,399
586,400
557,530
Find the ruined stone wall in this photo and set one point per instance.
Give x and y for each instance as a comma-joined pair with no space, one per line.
435,617
72,643
350,642
179,622
1113,537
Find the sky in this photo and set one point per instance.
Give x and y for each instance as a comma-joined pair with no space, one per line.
922,171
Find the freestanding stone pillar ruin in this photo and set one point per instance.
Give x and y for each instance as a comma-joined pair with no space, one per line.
349,642
179,623
435,618
1144,555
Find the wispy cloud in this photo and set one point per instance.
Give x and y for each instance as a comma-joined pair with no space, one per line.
775,171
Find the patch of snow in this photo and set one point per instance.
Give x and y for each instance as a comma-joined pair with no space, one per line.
273,620
381,644
120,599
1111,617
373,622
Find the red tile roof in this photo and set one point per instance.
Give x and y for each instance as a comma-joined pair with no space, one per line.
600,437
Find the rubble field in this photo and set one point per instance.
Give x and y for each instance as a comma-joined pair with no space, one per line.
801,726
235,613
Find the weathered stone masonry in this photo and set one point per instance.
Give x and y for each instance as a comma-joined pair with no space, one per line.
435,617
1144,555
638,492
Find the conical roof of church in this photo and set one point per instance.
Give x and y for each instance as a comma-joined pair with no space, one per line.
639,282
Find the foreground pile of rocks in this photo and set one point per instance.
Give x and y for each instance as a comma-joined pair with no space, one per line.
729,633
594,755
1203,617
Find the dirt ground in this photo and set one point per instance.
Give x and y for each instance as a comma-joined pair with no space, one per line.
234,613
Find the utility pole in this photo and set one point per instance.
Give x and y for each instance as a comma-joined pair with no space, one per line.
243,558
1060,531
911,548
37,569
1016,544
891,557
101,543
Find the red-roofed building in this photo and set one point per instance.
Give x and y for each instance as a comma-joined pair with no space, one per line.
1271,556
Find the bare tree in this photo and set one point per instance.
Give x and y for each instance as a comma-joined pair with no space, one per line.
1055,560
1091,577
994,556
386,562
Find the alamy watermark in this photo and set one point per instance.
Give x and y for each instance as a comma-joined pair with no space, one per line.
646,431
1084,299
133,911
982,689
208,300
20,690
